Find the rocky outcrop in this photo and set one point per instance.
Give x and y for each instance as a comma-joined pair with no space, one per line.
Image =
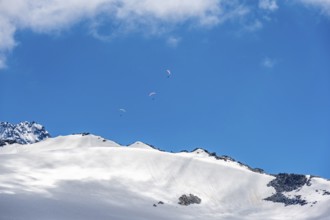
279,197
189,199
285,182
22,133
227,159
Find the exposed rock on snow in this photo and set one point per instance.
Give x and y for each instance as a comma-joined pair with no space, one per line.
286,183
7,142
159,203
188,200
280,198
22,133
201,151
326,193
85,133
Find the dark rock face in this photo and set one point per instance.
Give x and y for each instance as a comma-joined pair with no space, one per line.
82,133
6,142
22,133
286,183
326,193
188,200
159,203
279,197
257,170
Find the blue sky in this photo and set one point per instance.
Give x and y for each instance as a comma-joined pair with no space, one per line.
250,79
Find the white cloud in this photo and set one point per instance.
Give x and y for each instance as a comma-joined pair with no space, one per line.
268,62
270,5
323,5
7,31
115,16
204,11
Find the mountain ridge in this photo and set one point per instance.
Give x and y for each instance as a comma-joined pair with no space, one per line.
66,173
131,180
42,134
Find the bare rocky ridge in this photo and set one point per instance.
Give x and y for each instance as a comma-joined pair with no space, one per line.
22,133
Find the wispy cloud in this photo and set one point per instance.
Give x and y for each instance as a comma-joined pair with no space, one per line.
254,26
2,62
173,41
323,5
268,62
270,5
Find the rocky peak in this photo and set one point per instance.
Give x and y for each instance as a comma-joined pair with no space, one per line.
22,133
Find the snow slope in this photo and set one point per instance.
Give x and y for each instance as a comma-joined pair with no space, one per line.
79,177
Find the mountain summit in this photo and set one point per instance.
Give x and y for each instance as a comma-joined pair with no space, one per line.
22,133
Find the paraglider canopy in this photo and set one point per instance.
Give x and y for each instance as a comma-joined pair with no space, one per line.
152,94
168,72
122,111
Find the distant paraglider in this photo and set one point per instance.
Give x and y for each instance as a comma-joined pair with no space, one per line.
122,111
168,72
152,95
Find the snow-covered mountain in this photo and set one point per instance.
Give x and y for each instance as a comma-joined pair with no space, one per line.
84,177
22,133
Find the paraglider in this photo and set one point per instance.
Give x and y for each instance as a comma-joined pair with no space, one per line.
122,111
168,72
152,95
